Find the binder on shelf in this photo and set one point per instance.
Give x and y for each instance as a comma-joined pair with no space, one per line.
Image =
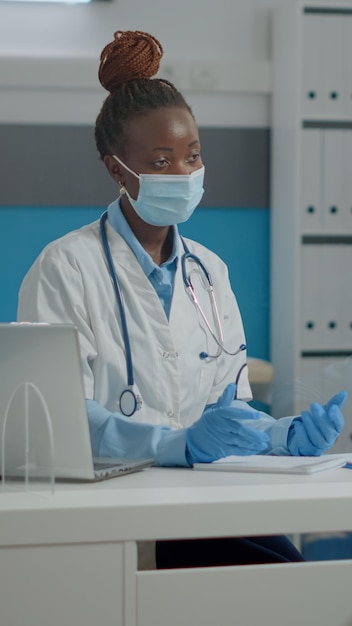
324,280
311,293
311,57
347,176
346,296
323,68
331,64
326,181
331,285
332,176
347,69
310,197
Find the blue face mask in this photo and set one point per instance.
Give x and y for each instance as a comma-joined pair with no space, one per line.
164,199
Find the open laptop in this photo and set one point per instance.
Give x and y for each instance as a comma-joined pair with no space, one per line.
42,400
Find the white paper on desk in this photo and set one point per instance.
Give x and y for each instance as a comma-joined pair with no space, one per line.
274,464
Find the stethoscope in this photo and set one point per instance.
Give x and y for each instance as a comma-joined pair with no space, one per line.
129,401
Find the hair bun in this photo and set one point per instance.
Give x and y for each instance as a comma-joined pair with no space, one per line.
132,54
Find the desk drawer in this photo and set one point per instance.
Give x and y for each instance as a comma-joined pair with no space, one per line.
270,595
58,585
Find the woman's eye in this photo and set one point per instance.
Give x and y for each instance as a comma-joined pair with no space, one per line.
194,157
161,163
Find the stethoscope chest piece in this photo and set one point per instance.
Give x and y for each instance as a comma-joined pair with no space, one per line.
129,402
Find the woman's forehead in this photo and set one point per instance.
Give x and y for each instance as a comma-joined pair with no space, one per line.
160,128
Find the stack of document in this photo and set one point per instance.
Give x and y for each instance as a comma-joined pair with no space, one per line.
275,464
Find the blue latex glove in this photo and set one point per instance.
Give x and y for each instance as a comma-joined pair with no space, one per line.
220,432
316,431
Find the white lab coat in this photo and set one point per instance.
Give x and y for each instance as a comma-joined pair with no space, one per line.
70,283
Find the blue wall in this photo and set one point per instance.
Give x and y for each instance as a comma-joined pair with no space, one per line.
239,236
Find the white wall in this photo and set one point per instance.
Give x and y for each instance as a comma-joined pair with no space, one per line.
216,51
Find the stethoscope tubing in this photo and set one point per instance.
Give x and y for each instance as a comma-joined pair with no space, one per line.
190,290
129,400
119,299
237,379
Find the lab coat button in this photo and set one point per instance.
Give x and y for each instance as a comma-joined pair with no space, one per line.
171,414
166,355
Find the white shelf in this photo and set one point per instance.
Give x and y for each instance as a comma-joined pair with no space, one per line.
311,308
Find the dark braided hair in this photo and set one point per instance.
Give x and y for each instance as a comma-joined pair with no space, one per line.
127,65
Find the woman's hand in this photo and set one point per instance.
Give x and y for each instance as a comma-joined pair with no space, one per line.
314,432
220,431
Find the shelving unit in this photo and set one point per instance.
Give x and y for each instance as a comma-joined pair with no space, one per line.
311,238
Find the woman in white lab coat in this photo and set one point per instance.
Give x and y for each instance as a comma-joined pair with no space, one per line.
167,385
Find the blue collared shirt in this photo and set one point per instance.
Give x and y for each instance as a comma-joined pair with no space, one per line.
162,277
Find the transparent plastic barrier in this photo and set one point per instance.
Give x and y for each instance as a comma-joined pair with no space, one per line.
27,442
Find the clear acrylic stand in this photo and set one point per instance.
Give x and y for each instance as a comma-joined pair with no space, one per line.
27,443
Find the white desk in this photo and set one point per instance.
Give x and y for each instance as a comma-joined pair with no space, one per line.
70,559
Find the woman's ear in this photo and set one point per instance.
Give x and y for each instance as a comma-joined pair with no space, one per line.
114,169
